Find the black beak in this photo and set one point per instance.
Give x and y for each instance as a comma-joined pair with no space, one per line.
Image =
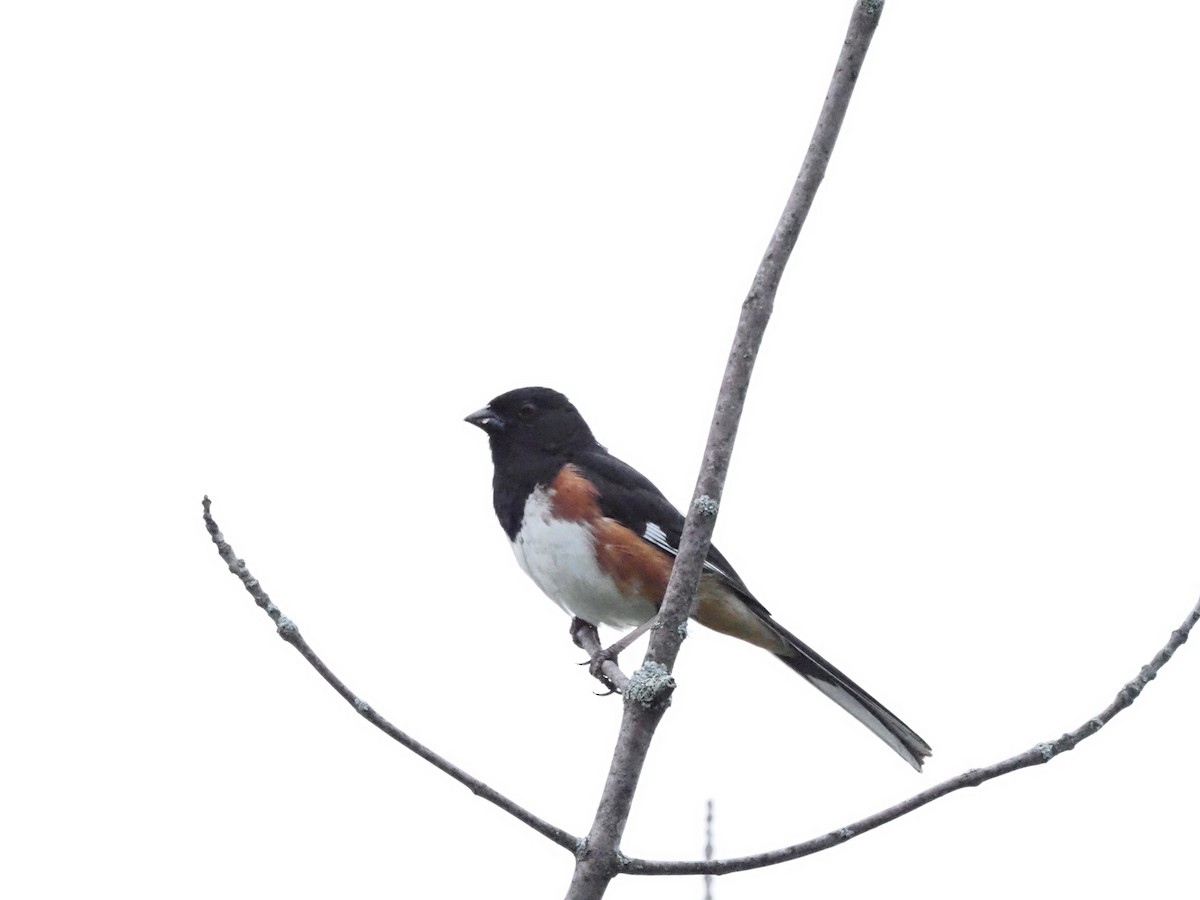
486,419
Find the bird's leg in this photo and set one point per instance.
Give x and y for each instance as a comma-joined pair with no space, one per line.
613,650
587,638
584,634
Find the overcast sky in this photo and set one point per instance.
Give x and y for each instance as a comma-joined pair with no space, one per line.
275,252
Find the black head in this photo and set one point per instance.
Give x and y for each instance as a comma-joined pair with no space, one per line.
533,419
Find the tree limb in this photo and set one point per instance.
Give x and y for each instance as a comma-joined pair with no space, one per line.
756,312
601,860
289,632
1037,755
647,691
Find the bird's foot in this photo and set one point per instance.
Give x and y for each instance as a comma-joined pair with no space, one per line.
586,637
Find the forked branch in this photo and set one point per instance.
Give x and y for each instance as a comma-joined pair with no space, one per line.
598,858
1037,755
602,859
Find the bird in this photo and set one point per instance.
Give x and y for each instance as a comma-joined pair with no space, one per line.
600,540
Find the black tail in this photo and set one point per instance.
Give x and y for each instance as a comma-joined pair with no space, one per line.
824,676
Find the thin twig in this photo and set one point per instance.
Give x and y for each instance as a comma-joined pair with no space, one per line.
1035,756
289,632
708,849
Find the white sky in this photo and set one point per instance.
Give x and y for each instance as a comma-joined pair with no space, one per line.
275,253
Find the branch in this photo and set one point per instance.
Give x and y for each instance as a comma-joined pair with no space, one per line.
600,860
756,312
1037,755
289,632
708,848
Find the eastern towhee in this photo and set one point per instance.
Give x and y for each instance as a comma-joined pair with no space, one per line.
600,540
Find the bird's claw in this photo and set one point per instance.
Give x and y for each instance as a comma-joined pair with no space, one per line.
585,634
596,670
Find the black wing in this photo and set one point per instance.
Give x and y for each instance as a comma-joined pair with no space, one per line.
630,498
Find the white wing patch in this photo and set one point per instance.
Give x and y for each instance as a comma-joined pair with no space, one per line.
656,536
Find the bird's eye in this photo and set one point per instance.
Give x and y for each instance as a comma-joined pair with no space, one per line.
527,410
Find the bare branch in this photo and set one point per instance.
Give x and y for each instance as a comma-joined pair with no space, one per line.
289,632
708,848
1035,756
600,860
756,312
648,690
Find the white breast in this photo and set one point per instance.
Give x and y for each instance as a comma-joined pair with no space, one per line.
560,557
